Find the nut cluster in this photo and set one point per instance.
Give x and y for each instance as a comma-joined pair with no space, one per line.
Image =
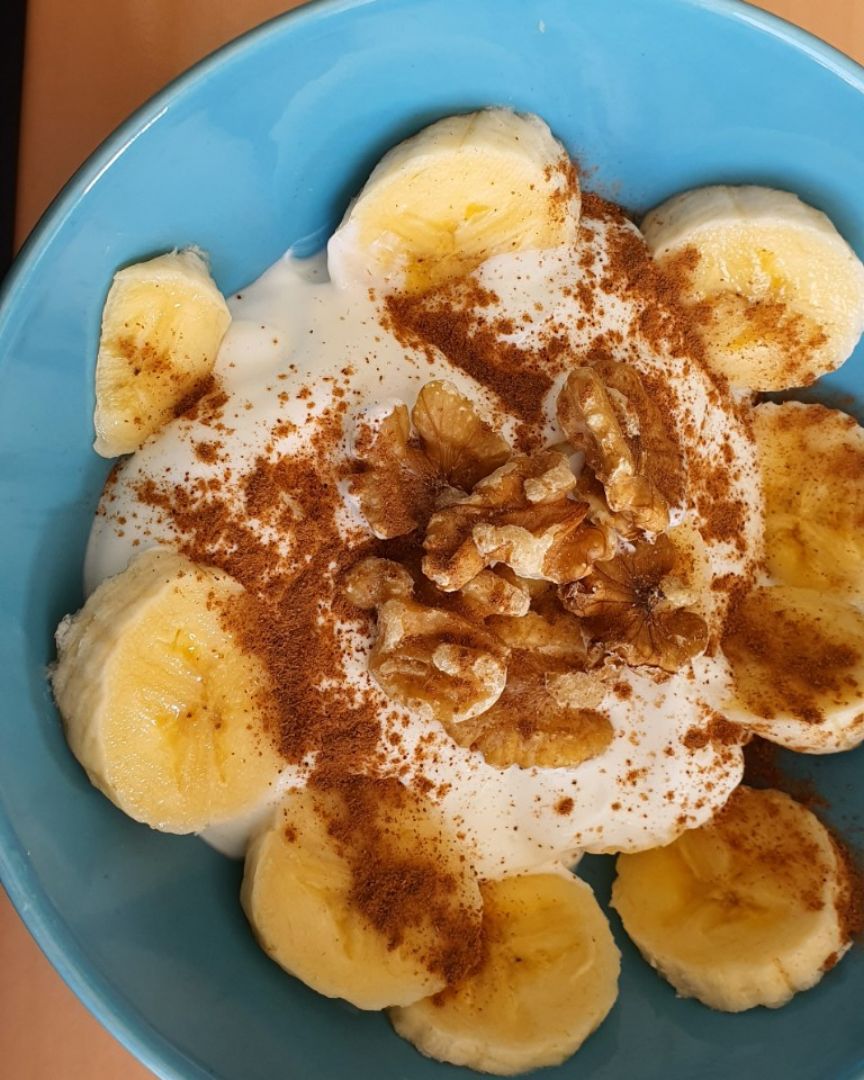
531,578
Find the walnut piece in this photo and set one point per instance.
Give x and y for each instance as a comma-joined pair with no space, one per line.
401,478
520,516
550,632
548,714
397,485
535,587
427,659
589,490
623,606
462,446
371,582
492,594
508,670
606,425
658,450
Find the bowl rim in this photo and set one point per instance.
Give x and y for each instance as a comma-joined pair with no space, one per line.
18,876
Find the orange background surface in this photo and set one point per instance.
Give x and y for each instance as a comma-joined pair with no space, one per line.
88,63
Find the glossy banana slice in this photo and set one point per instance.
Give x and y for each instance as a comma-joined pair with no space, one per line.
361,892
162,325
442,202
747,910
778,292
160,704
812,463
549,979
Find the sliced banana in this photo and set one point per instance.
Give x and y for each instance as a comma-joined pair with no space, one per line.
780,292
549,979
797,661
362,893
159,702
747,910
162,325
812,463
458,192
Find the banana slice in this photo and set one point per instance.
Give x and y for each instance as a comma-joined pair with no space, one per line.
160,704
797,660
458,192
745,911
780,293
812,462
361,892
549,978
162,325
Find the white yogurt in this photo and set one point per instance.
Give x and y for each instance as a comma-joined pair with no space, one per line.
291,330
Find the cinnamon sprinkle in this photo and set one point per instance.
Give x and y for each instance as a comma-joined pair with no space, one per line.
396,888
788,855
664,320
187,405
784,663
448,318
208,452
291,618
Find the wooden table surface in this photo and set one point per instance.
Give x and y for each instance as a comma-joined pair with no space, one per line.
87,65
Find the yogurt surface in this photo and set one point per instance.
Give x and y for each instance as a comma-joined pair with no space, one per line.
303,358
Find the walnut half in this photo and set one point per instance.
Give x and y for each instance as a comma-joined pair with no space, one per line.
400,477
606,425
622,605
424,658
461,445
396,485
491,594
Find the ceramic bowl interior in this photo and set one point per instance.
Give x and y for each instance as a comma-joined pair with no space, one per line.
258,149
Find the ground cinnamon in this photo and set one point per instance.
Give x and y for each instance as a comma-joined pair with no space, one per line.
448,318
395,886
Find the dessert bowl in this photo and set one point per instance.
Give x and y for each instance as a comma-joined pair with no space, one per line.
256,150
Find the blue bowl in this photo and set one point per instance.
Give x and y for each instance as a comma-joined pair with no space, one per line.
256,149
